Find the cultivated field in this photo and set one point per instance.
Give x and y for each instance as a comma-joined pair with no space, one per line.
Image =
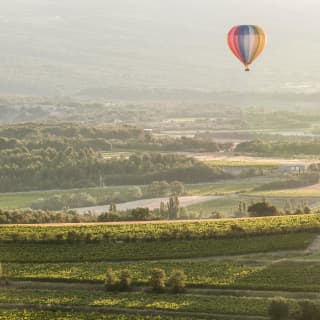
233,267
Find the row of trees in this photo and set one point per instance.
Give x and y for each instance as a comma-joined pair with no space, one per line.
298,181
102,138
265,209
23,170
280,148
158,281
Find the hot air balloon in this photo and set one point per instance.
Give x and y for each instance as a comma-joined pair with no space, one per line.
247,42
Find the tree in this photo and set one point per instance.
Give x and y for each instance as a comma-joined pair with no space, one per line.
125,280
279,309
261,209
177,188
158,280
308,310
141,214
112,208
163,210
177,281
173,207
111,281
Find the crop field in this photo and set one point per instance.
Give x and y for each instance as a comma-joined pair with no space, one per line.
207,229
225,188
63,268
290,276
309,192
74,251
58,315
200,304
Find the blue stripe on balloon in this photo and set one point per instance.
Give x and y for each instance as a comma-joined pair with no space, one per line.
244,42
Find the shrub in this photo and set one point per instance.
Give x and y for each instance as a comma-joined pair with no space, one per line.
125,281
279,309
262,209
158,280
308,311
177,281
111,282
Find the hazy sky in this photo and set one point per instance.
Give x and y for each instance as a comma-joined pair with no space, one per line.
63,46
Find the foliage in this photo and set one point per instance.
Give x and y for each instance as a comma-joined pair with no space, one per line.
279,309
125,280
111,280
280,148
158,280
177,281
308,310
262,209
28,216
214,229
299,181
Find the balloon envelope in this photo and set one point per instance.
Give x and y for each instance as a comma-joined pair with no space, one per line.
247,42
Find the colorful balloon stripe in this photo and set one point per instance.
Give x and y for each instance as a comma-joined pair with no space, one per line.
247,42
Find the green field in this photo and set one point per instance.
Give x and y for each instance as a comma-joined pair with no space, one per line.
58,315
213,229
148,250
197,304
289,193
25,199
225,206
65,268
229,187
257,275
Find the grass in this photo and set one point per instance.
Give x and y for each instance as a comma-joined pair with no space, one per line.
225,206
25,199
229,187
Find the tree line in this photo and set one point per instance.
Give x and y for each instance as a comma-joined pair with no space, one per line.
279,148
44,169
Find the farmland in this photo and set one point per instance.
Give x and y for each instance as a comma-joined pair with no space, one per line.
63,269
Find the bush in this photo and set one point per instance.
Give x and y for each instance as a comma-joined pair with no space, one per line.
125,281
158,280
308,311
141,214
279,309
262,209
111,282
177,281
